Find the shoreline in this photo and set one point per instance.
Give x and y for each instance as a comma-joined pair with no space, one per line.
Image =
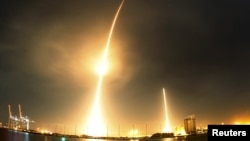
154,136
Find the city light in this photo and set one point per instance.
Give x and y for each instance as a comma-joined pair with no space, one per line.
242,123
134,133
180,131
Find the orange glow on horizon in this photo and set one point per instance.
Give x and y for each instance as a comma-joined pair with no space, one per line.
242,123
134,133
180,131
241,120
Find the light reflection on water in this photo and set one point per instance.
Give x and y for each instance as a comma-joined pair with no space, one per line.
6,135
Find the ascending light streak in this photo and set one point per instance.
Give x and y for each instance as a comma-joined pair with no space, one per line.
167,126
95,123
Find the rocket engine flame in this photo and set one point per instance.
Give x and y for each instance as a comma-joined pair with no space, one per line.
95,123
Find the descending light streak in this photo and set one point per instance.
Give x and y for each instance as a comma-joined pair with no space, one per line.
95,123
167,126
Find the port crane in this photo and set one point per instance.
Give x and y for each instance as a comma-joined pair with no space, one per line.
24,122
12,121
21,123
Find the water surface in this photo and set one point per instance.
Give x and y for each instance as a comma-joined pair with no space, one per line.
10,135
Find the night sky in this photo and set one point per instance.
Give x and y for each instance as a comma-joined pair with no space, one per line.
199,51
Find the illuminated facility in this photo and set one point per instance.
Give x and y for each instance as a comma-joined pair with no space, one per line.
21,123
190,124
95,123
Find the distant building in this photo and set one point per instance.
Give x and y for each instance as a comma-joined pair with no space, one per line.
190,125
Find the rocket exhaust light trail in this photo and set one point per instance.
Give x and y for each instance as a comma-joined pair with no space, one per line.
167,126
95,123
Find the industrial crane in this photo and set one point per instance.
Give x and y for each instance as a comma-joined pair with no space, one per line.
24,122
13,121
21,123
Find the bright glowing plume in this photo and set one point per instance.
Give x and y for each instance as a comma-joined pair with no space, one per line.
102,68
95,123
134,133
167,125
180,131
